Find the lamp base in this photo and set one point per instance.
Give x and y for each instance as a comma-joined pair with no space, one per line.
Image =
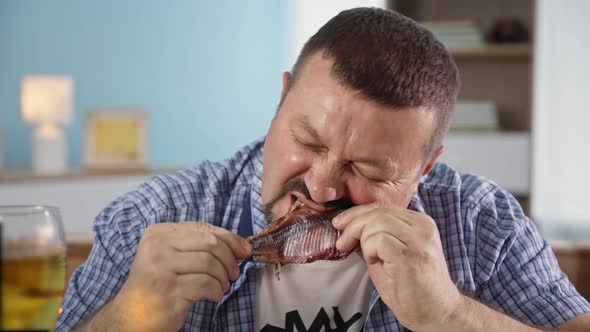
49,152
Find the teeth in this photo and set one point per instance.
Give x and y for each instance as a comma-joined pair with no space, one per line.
297,204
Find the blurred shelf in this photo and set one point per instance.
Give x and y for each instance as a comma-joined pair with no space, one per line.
494,51
15,176
80,195
574,261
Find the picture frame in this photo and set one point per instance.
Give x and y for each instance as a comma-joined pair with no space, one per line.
116,140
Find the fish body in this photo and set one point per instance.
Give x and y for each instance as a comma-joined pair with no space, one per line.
302,236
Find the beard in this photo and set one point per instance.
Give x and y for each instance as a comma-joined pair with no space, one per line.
298,185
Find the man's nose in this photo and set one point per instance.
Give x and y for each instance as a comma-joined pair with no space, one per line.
324,181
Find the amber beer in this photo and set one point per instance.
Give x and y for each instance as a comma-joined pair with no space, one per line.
32,289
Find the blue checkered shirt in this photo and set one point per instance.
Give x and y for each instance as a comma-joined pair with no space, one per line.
493,251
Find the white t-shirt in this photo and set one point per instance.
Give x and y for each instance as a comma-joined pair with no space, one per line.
311,297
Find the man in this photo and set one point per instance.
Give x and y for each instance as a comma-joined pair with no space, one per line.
360,123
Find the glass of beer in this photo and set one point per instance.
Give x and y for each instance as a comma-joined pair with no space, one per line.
33,252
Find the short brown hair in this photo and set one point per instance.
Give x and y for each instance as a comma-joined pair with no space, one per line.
390,59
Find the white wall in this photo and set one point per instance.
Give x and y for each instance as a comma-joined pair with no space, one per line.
307,16
560,199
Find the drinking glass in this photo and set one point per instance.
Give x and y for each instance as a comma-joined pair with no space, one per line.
33,252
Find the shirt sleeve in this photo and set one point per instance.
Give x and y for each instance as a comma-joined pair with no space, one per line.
116,234
525,281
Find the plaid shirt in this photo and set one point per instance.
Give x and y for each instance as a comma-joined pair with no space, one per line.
493,251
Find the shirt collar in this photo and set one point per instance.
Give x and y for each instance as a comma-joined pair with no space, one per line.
416,203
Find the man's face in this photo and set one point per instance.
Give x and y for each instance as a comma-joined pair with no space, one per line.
329,146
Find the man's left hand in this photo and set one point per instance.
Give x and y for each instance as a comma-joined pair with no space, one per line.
403,252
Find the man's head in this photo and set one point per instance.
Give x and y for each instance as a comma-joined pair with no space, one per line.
362,116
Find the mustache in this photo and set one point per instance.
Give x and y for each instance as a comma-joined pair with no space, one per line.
298,185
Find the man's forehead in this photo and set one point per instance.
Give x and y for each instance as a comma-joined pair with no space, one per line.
301,121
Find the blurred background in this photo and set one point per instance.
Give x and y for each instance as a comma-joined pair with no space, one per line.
137,88
195,67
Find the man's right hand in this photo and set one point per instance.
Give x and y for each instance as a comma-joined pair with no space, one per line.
176,265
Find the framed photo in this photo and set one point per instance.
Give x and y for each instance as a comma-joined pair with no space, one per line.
116,140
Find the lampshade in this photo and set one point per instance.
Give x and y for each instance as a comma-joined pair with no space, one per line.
47,99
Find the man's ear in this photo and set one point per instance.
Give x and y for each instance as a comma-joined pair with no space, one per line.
286,78
432,161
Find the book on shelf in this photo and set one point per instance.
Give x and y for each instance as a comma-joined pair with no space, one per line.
475,115
457,35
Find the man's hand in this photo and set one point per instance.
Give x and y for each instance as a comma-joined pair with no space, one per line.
176,265
405,260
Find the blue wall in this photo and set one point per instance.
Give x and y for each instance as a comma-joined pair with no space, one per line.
208,72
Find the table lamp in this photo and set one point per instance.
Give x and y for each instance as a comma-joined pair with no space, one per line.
46,101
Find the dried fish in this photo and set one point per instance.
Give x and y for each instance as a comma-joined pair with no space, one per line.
301,236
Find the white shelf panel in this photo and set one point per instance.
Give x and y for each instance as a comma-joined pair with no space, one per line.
79,198
501,157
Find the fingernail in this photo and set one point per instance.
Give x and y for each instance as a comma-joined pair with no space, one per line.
335,221
338,244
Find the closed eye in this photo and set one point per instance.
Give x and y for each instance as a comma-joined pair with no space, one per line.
309,146
368,177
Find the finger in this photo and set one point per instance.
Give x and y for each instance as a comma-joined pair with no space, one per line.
351,235
194,287
371,223
411,217
390,225
159,228
205,242
238,245
382,247
200,262
417,219
342,220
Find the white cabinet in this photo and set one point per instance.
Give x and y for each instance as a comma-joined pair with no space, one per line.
501,157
